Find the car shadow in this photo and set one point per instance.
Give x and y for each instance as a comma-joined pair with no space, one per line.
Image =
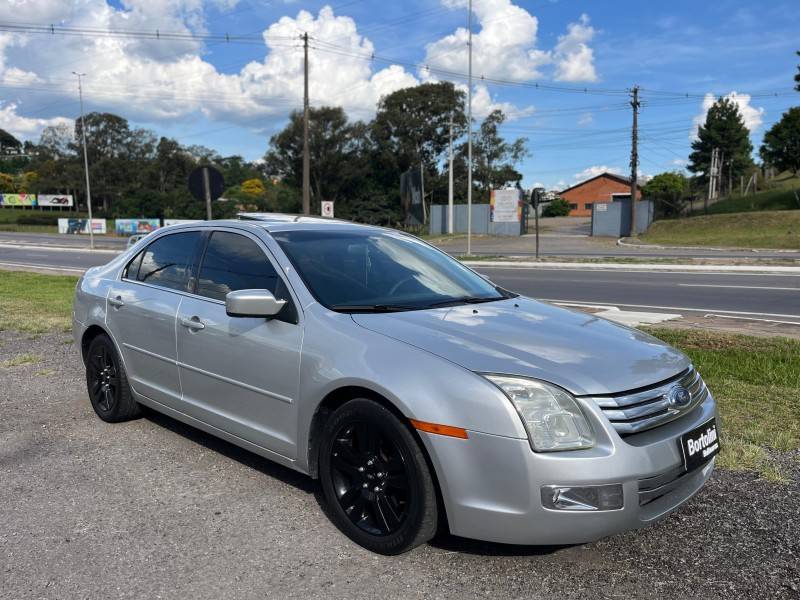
453,543
249,459
443,541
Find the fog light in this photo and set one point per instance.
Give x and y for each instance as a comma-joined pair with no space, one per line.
591,497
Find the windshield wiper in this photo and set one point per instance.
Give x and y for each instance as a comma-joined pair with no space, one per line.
373,308
465,300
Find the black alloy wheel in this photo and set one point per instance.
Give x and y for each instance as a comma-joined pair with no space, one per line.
370,479
107,382
376,480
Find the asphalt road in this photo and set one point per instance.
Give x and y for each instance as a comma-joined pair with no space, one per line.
564,239
153,508
774,297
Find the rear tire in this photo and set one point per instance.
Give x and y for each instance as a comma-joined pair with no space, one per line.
107,384
375,479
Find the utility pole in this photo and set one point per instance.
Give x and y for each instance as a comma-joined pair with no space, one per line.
634,156
469,134
450,183
306,158
85,161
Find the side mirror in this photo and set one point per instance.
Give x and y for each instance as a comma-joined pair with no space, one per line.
252,303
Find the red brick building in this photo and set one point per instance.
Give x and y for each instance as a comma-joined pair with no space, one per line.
600,188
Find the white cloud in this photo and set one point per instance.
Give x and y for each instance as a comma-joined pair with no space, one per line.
679,162
483,104
586,119
170,79
26,127
503,47
753,117
573,57
595,170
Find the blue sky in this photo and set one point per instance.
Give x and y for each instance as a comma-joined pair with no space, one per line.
233,96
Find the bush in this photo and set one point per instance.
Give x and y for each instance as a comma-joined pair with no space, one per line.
557,208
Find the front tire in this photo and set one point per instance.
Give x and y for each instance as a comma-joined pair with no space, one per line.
107,384
375,479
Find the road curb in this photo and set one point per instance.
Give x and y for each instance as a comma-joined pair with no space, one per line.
632,267
622,242
60,248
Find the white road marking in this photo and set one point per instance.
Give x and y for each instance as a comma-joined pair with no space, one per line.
674,308
47,267
60,248
626,317
751,319
739,287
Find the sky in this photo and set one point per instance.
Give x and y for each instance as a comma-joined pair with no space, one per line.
560,69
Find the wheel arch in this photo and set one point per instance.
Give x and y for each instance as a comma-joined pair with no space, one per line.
92,332
339,397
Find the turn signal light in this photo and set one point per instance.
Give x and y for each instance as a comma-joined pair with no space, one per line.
448,430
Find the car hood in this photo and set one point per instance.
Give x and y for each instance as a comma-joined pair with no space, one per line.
578,351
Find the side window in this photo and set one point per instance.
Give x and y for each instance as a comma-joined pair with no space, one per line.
234,262
132,268
168,261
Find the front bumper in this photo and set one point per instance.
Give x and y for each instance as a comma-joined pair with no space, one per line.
491,485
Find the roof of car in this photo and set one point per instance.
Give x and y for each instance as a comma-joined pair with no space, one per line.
287,222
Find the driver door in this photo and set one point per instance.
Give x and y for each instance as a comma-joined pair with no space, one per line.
240,374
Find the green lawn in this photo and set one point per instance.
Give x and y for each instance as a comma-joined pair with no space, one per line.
34,303
755,380
766,229
779,196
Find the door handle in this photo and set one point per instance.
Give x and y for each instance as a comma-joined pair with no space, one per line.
116,302
193,323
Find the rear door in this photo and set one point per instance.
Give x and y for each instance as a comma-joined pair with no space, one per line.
141,313
240,374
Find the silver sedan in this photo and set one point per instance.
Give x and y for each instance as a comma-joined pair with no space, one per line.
420,394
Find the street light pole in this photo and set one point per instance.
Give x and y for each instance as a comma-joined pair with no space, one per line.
85,161
469,135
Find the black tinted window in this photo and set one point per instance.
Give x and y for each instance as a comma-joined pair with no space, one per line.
234,262
168,261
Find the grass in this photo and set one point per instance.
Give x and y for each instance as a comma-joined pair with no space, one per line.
756,382
35,303
767,229
16,361
780,196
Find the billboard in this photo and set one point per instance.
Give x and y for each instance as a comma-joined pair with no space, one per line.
71,226
506,206
168,222
54,200
17,199
134,226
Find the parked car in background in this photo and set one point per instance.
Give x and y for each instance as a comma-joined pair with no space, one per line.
134,239
418,392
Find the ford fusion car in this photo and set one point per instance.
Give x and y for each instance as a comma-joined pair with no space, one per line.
420,394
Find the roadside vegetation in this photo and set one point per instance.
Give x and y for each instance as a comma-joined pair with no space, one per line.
35,303
21,359
756,382
767,229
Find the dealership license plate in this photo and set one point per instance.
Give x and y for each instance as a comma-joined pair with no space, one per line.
700,445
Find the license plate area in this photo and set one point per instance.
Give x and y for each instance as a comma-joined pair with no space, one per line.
700,445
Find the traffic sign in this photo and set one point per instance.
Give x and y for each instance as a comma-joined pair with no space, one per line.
206,184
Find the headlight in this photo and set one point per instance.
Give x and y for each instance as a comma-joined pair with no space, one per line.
552,417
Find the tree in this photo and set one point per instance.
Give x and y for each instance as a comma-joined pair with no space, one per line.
336,150
724,128
558,207
8,142
412,127
493,158
668,191
253,187
797,76
781,147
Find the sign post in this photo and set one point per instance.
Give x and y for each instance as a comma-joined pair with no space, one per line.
206,184
537,199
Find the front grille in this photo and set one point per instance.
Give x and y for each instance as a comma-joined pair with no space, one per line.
632,412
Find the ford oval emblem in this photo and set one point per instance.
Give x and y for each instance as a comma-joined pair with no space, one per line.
678,397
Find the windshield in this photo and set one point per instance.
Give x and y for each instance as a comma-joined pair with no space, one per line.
379,271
